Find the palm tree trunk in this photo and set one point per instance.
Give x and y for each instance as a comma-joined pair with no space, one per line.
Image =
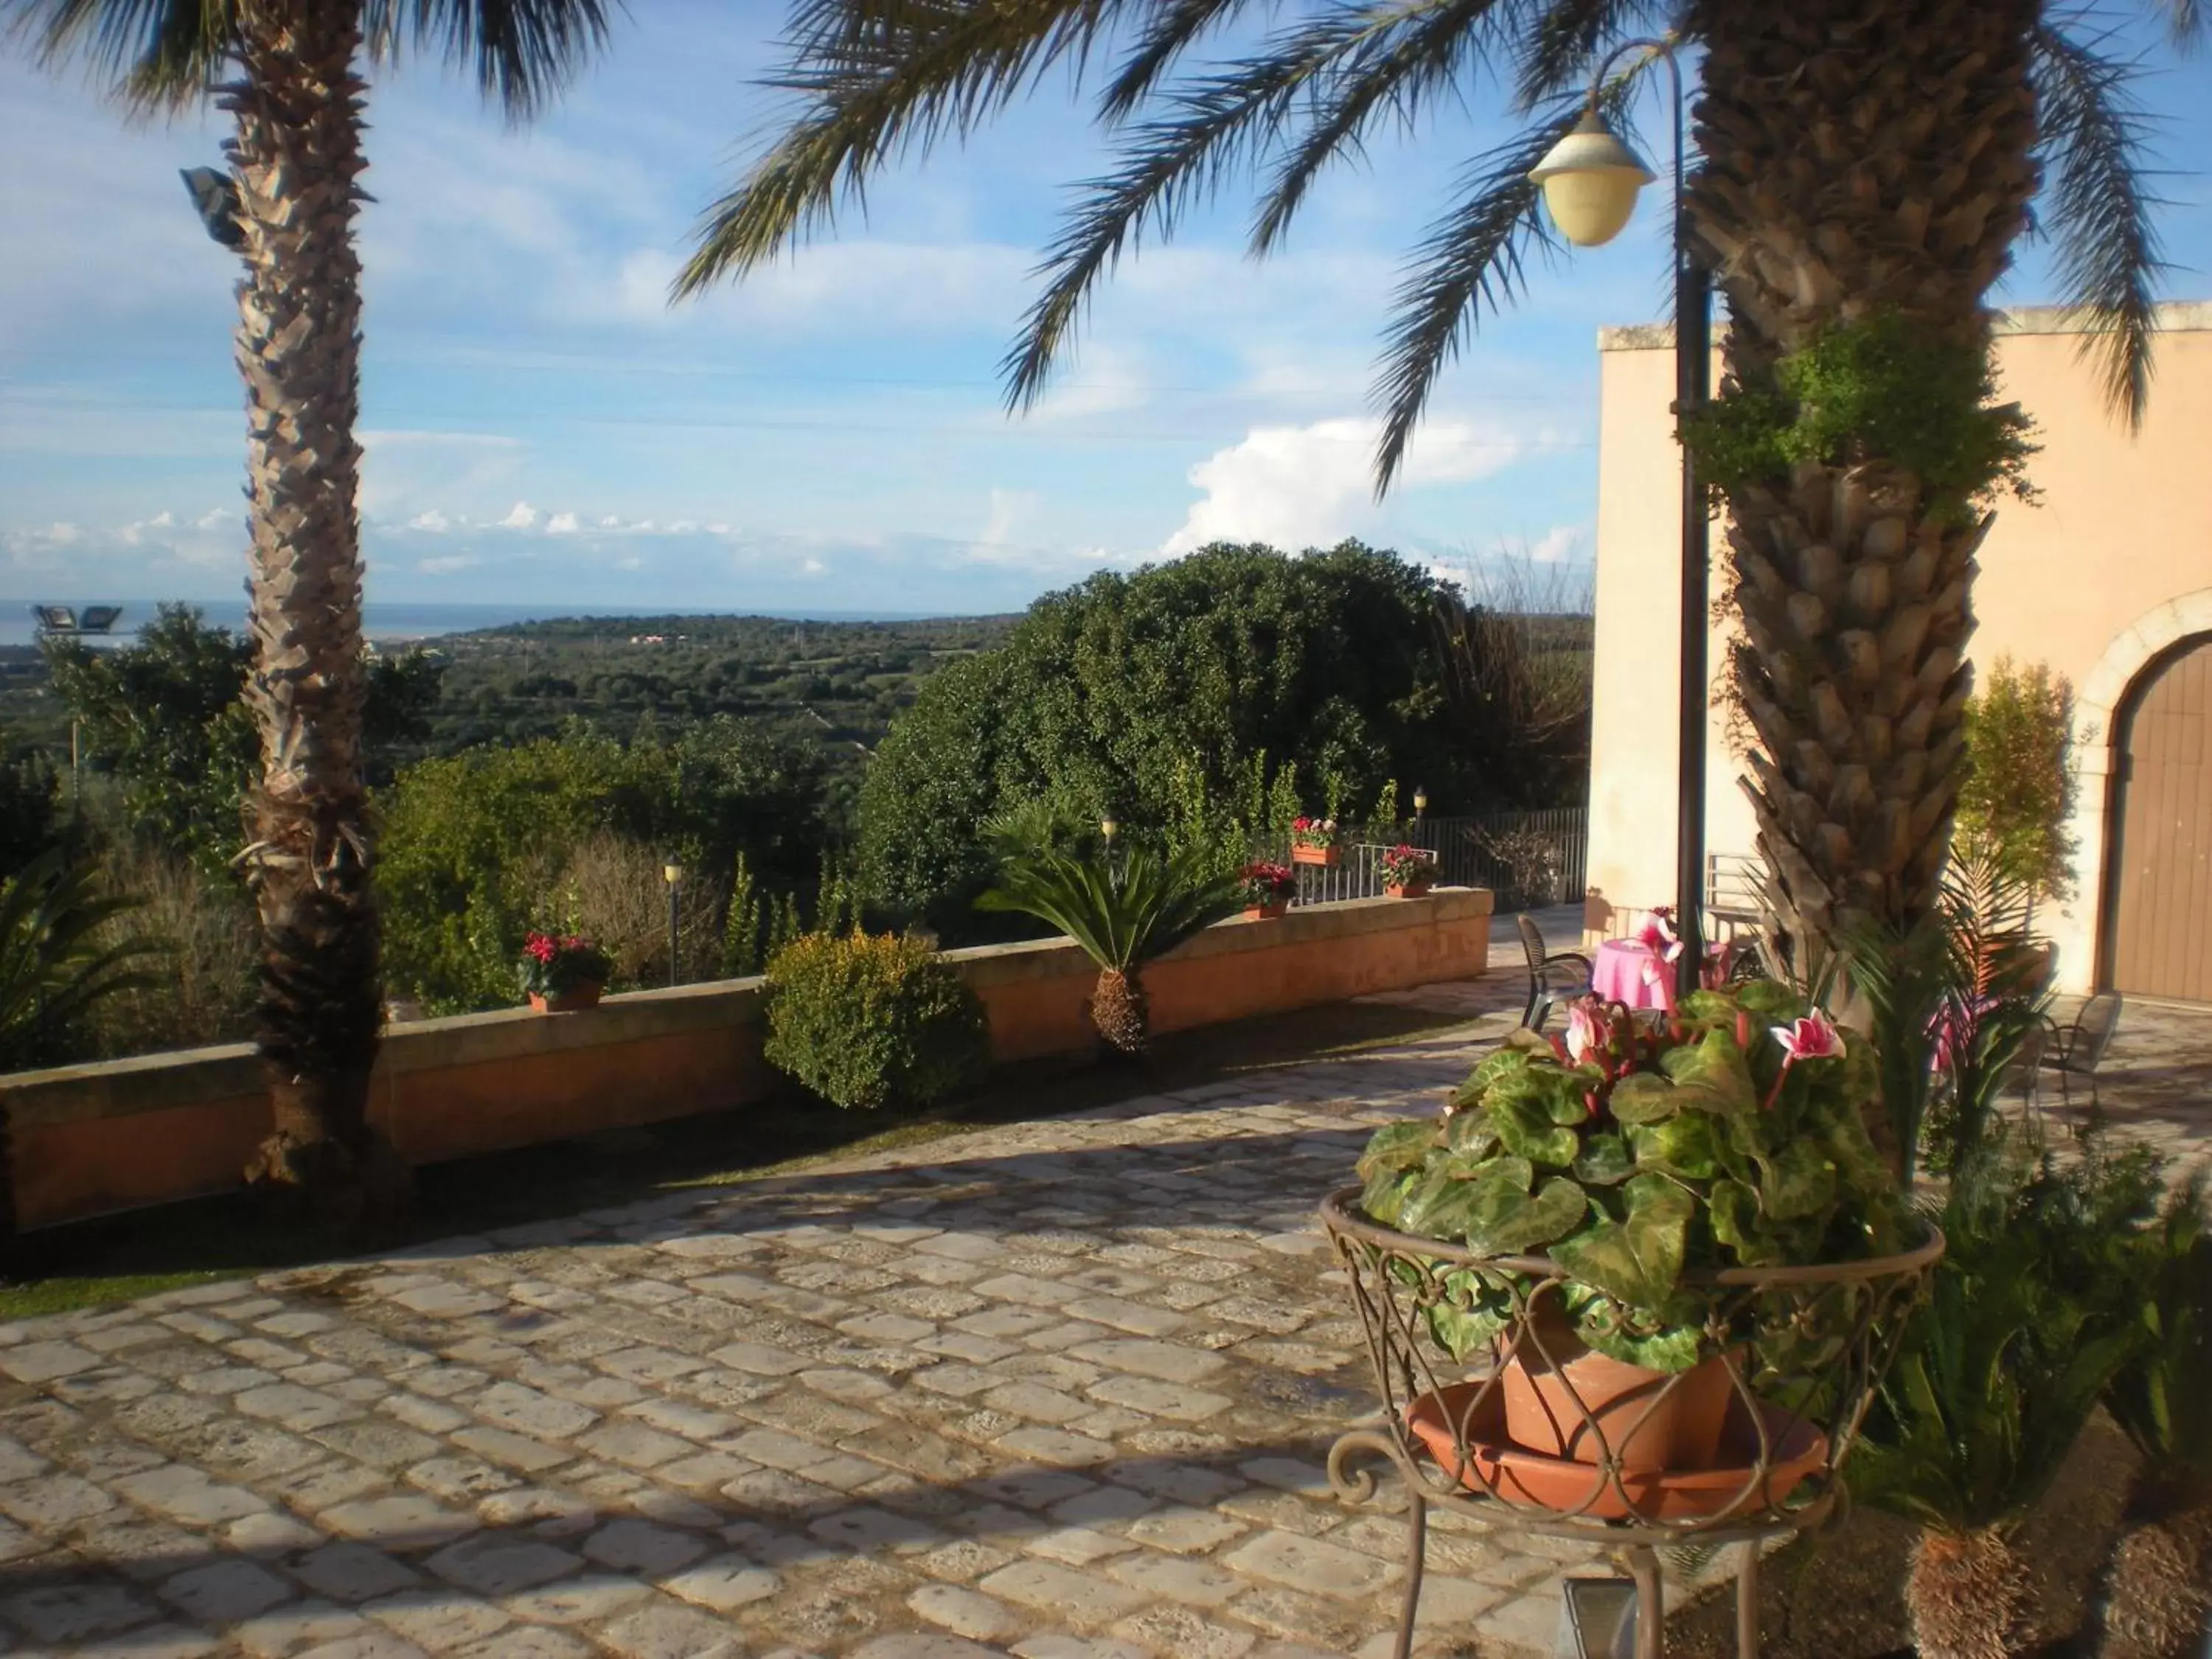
1860,157
296,153
1968,1594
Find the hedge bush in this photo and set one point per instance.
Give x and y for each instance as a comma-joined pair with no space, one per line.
871,1020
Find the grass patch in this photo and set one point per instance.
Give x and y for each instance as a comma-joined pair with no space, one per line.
117,1258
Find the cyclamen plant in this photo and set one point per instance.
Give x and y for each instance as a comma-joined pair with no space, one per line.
554,964
1729,1136
1407,866
1313,832
1267,884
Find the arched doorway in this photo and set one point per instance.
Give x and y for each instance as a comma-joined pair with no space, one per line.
2159,908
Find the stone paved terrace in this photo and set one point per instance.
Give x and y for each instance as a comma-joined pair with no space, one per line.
1057,1389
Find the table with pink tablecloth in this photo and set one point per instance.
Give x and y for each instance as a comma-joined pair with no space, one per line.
1621,972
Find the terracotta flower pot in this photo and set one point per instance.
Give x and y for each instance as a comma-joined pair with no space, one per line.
1406,888
1561,1401
580,996
1274,910
1327,857
1730,1484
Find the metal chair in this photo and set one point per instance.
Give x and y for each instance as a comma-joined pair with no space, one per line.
2076,1050
1552,977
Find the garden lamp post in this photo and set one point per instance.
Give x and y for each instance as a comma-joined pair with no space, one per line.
672,872
1590,179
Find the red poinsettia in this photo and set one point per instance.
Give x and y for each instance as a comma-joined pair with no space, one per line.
554,964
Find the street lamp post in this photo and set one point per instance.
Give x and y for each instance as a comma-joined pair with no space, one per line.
672,872
1590,178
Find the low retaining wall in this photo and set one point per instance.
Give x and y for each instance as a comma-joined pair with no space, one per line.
87,1140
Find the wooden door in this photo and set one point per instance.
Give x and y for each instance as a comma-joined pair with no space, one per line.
2162,890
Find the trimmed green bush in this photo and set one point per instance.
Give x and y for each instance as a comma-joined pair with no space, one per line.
873,1019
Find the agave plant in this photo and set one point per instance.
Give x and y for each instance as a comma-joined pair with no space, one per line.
55,961
2027,1326
1125,910
2159,1593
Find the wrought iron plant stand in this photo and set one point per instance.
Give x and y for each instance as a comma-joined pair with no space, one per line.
1801,1351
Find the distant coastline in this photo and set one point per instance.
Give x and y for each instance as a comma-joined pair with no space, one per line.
399,621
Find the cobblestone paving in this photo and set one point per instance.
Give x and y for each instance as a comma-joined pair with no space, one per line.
1057,1389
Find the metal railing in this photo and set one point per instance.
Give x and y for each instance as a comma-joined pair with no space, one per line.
1528,859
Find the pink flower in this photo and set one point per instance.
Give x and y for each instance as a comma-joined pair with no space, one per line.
1586,1033
1813,1037
1657,936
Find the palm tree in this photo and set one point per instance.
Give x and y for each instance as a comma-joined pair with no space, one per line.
1865,167
288,71
1124,910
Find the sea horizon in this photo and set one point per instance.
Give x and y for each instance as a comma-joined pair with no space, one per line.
401,620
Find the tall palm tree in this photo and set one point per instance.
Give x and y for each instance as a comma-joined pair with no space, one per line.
1858,162
289,73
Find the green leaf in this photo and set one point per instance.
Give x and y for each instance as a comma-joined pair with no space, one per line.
1671,1348
1469,1135
1682,1145
1383,1197
1504,1220
1638,1262
1734,1209
1604,1161
1711,1074
1397,1146
1770,1002
1703,1005
1526,1129
1461,1331
1643,1097
1797,1179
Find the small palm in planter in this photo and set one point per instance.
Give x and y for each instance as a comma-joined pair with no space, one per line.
1638,1161
1124,910
1408,871
563,971
1267,888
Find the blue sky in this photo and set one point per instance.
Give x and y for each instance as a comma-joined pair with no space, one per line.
543,428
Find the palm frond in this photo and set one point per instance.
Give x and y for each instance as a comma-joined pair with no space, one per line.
2092,149
2186,22
1555,59
1124,911
1176,27
157,53
53,962
521,53
1474,256
880,78
1215,126
1402,52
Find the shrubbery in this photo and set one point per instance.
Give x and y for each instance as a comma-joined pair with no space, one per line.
871,1020
570,833
1122,694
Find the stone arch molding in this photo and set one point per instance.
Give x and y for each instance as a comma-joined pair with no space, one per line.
2096,709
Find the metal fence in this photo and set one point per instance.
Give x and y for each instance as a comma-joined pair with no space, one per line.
1528,859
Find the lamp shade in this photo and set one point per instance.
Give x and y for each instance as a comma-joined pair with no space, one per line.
1590,179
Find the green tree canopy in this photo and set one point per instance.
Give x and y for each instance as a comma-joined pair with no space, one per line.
1109,695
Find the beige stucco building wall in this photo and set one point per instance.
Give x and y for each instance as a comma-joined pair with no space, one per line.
2110,568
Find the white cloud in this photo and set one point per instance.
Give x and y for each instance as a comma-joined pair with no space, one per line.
562,523
447,564
433,522
1311,486
1562,544
521,516
812,567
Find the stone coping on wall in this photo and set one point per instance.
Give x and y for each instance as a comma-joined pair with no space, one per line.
185,1077
2171,316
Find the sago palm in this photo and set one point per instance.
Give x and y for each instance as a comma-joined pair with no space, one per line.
1862,165
1124,910
289,73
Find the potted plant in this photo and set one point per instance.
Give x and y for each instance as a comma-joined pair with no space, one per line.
1408,871
1269,889
1314,840
563,972
1728,1137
